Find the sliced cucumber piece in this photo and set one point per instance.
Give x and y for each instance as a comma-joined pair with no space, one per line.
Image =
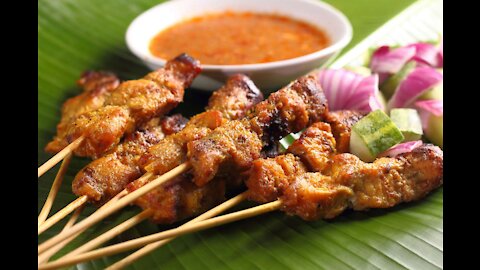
286,141
408,122
434,93
359,70
374,134
390,85
434,130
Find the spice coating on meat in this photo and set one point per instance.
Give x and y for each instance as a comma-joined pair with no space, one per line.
106,176
236,144
352,183
236,97
181,198
139,100
97,86
171,151
342,122
315,147
268,176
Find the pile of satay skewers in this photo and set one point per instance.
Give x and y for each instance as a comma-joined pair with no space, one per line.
176,169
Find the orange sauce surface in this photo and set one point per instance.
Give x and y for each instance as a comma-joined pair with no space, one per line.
231,38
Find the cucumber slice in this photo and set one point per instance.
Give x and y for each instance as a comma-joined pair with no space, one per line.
374,134
390,85
408,122
286,141
359,70
435,93
434,130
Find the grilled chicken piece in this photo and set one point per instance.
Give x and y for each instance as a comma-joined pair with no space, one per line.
315,147
130,105
171,152
235,98
97,86
355,184
108,175
181,198
236,144
311,152
342,122
105,177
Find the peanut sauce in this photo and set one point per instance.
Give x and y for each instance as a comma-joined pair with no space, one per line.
231,38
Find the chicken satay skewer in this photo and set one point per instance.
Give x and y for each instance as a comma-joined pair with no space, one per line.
234,99
97,86
414,175
130,104
288,110
154,130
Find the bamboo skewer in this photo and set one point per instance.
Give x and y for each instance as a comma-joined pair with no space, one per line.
47,206
102,213
62,213
56,248
59,156
202,225
151,247
49,253
111,233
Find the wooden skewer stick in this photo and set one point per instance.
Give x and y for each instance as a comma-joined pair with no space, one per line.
111,233
46,256
62,213
47,206
59,156
102,213
56,248
202,225
151,247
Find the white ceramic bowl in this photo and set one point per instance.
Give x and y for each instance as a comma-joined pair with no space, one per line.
267,76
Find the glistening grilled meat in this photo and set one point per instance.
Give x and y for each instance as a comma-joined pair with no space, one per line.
344,181
354,184
105,177
232,147
181,198
130,105
342,122
97,86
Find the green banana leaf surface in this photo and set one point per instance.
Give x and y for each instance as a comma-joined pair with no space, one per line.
74,36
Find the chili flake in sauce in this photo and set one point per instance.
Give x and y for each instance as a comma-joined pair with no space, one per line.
231,38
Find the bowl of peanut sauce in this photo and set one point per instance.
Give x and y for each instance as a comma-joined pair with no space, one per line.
271,41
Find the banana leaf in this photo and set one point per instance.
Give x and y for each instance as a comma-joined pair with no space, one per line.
74,36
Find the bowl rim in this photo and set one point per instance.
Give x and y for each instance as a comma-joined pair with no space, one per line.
332,48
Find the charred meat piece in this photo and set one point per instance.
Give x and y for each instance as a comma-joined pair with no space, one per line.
236,144
342,122
181,198
130,105
97,86
236,97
